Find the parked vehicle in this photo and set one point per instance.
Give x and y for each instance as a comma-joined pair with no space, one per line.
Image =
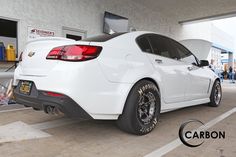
128,77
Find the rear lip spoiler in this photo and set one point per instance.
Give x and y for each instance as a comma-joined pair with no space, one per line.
80,42
48,38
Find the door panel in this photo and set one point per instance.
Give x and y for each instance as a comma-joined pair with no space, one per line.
173,73
199,81
174,77
199,87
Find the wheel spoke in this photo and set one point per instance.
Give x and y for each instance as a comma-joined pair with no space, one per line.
217,95
146,109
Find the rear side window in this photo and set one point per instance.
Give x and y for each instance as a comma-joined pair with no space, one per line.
102,38
144,44
161,46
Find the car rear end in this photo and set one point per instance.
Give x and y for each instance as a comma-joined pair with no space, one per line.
50,72
89,79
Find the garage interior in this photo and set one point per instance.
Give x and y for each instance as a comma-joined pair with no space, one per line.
8,32
183,20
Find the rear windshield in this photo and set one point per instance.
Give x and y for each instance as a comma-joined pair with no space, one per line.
102,38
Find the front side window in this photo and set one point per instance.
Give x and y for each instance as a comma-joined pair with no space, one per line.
184,54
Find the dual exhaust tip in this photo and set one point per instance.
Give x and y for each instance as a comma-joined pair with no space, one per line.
52,110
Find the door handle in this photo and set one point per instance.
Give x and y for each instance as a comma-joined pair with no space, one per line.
158,61
190,68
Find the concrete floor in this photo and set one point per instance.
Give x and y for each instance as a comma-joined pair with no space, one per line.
103,138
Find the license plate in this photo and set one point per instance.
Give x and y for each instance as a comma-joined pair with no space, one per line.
25,87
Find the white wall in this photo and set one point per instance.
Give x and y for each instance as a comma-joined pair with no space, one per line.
81,14
207,31
221,38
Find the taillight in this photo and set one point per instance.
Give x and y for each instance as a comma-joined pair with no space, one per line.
52,94
74,52
20,57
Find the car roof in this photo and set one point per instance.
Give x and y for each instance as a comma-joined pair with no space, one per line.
107,37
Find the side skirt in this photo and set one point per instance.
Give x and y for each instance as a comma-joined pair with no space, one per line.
175,106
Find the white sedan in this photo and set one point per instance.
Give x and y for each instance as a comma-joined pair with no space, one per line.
128,77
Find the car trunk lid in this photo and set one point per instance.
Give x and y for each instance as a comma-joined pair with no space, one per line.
34,62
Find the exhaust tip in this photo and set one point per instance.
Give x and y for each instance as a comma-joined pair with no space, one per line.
52,110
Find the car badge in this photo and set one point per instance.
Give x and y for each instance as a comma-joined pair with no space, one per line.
31,53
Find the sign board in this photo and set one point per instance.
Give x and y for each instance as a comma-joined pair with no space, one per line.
35,33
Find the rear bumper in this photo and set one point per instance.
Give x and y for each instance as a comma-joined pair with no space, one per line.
84,83
38,100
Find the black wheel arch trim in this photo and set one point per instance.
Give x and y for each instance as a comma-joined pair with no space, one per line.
148,79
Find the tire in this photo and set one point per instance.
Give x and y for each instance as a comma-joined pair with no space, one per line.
142,109
216,94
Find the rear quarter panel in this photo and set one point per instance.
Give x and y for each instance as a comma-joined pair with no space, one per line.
122,61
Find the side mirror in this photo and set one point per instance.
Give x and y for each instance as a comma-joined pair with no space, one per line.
204,63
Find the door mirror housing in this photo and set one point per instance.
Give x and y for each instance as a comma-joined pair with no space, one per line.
204,63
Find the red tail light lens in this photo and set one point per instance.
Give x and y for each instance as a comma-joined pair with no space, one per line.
74,52
53,94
